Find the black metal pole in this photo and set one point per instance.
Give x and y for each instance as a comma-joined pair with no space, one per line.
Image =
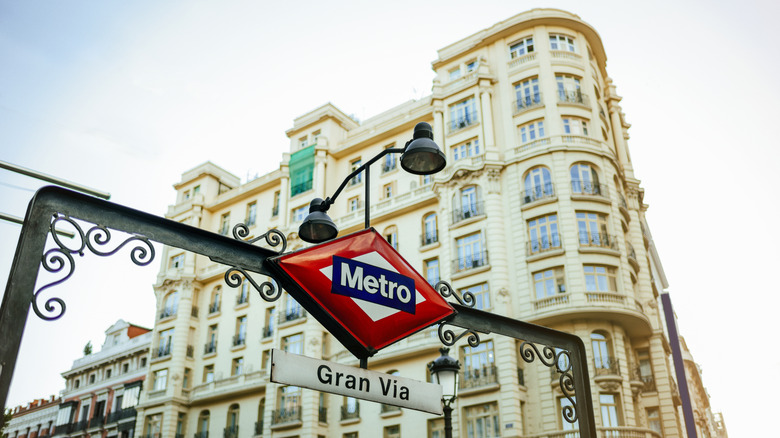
679,366
447,420
368,197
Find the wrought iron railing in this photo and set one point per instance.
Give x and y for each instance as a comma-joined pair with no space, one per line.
194,311
470,261
242,298
521,376
162,351
292,315
81,425
478,377
213,308
607,366
463,122
230,432
388,166
384,408
350,412
210,347
202,434
598,240
259,427
468,211
528,102
96,422
281,416
300,188
544,244
322,414
168,312
268,331
575,96
536,193
589,189
429,238
190,351
239,340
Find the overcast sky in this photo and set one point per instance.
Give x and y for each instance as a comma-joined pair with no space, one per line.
125,96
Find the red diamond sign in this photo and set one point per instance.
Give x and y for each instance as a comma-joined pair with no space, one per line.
367,287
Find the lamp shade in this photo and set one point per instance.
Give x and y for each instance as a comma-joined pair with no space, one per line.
318,226
444,371
422,155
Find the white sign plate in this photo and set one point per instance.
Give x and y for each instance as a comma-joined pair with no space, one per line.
294,369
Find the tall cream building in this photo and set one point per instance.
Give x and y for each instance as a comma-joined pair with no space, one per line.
538,213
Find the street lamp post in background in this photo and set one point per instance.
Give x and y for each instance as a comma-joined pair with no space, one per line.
421,156
445,371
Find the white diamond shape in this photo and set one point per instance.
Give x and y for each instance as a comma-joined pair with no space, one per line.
373,310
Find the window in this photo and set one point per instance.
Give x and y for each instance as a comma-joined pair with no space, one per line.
243,294
240,337
299,214
430,229
387,191
549,282
465,150
392,431
143,362
289,400
160,380
170,305
216,298
293,344
350,435
467,204
231,426
538,184
454,73
153,425
389,161
645,368
600,278
609,413
275,209
125,368
478,357
203,424
471,66
592,228
527,94
470,254
177,262
185,381
543,234
211,340
602,357
482,421
237,367
531,131
303,142
427,179
432,271
208,373
561,42
186,195
565,405
315,137
522,47
391,235
568,88
268,330
350,409
108,374
584,179
436,428
481,295
196,191
292,310
166,342
463,114
575,126
353,166
354,203
180,422
251,214
654,420
224,224
91,378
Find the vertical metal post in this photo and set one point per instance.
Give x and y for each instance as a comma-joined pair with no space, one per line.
679,366
368,199
447,420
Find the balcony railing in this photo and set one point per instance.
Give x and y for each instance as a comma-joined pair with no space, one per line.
322,415
300,188
259,427
589,189
162,351
538,192
350,412
239,340
230,432
241,299
63,429
478,377
387,166
384,409
648,382
190,351
282,416
521,376
204,434
544,244
81,425
606,432
623,201
470,261
268,331
463,122
528,102
631,252
429,238
598,240
607,366
194,311
275,211
575,96
468,211
96,422
167,312
210,347
292,315
213,308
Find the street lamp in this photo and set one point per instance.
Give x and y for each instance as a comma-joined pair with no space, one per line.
421,156
444,371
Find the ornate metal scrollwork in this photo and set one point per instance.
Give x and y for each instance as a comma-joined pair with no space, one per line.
448,338
446,290
268,290
529,351
273,237
55,260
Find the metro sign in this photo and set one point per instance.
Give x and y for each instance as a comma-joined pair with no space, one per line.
366,287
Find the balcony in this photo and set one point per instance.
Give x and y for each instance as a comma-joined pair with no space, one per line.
632,257
239,340
463,122
322,415
268,331
96,422
607,366
582,188
292,315
275,211
574,97
231,386
521,377
389,165
242,299
63,429
644,383
194,311
561,299
213,308
301,188
429,238
528,102
520,60
350,412
389,410
285,416
545,244
259,427
203,434
190,351
470,261
537,193
161,351
210,347
120,415
598,240
230,432
605,432
472,378
81,425
468,211
167,313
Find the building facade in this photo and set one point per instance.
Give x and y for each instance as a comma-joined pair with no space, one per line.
103,388
34,420
538,213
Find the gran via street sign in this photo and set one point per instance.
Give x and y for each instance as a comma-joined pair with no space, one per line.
320,375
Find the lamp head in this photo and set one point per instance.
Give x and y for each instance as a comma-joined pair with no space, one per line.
422,155
318,226
444,371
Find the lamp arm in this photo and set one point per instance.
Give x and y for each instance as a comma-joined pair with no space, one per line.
331,199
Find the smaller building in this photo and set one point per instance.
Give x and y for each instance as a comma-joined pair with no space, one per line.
34,420
102,389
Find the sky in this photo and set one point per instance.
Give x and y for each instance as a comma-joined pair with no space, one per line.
126,96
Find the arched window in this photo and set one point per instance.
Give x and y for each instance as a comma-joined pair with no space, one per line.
584,179
538,184
430,229
203,423
231,428
260,417
170,304
602,353
243,295
391,235
467,203
216,298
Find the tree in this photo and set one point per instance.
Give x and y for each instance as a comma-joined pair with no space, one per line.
88,348
4,420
